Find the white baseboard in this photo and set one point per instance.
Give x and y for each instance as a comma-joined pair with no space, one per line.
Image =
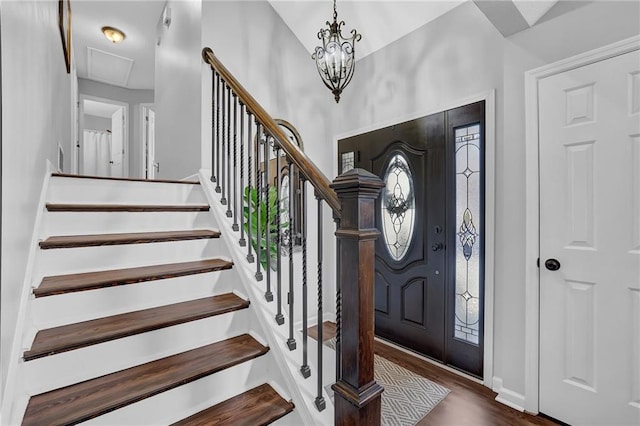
506,396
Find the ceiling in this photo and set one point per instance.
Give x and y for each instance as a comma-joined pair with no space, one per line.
128,64
380,22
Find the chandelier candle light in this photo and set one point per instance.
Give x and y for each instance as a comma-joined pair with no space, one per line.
335,59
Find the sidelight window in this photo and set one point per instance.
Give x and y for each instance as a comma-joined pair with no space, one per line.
468,218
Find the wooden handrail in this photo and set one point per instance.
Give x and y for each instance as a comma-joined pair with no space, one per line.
301,161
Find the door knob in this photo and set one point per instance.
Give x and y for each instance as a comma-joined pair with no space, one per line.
437,246
552,264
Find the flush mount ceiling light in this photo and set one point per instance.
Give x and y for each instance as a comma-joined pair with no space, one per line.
114,35
335,59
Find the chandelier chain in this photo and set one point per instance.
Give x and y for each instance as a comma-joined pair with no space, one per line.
335,12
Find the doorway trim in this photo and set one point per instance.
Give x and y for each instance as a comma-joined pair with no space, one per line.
144,107
82,97
490,202
532,204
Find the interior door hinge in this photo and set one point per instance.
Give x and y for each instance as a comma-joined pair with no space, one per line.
538,262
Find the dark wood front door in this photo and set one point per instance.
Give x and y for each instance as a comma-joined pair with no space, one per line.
415,286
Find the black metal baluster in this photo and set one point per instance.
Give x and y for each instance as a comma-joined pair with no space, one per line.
229,214
267,227
218,80
214,78
223,141
320,402
279,317
235,164
249,175
241,241
258,197
304,369
291,342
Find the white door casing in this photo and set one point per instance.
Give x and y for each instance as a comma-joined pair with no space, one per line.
117,143
151,144
589,147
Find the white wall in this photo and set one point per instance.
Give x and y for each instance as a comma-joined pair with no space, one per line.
36,116
269,61
93,122
460,55
569,29
133,97
178,92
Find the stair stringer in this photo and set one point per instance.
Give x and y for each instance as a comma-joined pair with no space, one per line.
302,390
11,403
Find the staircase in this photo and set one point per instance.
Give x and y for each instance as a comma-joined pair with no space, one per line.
134,313
138,316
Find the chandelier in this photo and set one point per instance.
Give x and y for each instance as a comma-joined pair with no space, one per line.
335,59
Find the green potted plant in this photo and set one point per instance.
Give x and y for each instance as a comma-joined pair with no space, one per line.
267,224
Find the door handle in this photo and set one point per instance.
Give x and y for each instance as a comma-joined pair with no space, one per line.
552,264
437,247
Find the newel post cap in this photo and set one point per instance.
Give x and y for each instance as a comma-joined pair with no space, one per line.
357,182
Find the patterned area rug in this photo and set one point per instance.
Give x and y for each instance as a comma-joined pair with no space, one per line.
407,397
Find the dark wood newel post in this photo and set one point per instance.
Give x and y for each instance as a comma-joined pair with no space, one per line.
357,395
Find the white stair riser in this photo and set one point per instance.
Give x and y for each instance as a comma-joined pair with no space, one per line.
291,419
53,311
88,223
87,259
191,398
98,191
63,369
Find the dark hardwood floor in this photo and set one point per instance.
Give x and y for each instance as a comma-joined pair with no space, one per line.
469,403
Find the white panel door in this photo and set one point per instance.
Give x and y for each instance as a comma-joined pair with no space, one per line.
590,223
117,143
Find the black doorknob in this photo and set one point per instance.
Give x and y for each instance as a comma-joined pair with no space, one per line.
552,264
437,246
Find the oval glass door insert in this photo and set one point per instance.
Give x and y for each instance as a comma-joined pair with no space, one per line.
398,207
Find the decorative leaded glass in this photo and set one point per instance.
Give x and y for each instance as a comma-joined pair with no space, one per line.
398,207
468,216
284,213
348,161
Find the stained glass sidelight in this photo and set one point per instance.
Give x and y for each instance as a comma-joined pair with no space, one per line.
468,175
398,207
348,161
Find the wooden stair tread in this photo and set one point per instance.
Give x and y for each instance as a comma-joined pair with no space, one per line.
61,284
135,208
86,333
86,400
68,175
258,406
69,241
